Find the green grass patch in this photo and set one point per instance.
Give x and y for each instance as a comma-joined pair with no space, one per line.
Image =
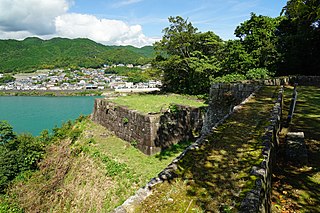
147,103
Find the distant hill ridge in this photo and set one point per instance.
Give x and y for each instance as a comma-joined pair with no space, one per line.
34,53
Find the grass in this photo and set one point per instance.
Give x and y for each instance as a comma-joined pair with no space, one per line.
216,176
156,103
297,188
96,173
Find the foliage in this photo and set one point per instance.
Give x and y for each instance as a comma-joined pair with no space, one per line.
125,120
190,60
173,108
229,78
134,143
6,79
17,154
258,37
67,130
299,38
236,59
34,53
251,74
134,75
258,73
6,133
186,57
21,153
9,206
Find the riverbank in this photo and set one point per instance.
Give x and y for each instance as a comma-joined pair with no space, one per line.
52,92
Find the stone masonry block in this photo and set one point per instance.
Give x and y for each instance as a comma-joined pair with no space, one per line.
296,150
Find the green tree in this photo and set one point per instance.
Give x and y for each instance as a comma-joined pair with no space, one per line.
236,59
258,37
299,35
8,161
6,133
17,153
187,58
7,78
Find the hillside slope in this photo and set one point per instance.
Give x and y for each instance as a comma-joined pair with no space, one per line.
35,53
95,173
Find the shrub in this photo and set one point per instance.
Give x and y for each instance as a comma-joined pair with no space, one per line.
22,153
258,73
229,78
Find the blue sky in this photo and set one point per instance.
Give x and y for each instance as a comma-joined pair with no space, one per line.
220,16
122,22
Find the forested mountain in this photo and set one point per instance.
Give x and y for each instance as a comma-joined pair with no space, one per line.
35,53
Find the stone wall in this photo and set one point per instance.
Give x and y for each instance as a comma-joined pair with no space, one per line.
306,80
285,80
149,132
179,123
222,99
296,150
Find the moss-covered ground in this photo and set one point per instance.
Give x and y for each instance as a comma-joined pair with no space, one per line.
146,103
297,188
216,176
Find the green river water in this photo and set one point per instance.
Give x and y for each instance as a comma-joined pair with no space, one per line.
34,114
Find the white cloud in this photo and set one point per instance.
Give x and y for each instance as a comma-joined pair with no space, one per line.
15,35
50,18
35,16
105,31
126,2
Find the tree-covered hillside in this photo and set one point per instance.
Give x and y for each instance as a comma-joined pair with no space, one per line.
34,53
